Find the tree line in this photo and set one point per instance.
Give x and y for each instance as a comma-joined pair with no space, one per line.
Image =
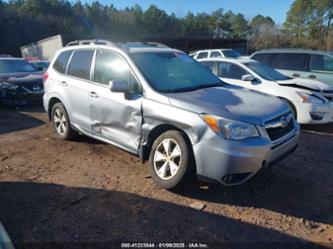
308,24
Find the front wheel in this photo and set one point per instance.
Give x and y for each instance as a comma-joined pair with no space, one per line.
171,160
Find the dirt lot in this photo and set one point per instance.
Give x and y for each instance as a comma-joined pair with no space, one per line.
92,194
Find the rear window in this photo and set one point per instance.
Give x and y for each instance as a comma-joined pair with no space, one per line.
80,64
61,62
290,61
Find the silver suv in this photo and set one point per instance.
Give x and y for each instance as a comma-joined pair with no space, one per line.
165,107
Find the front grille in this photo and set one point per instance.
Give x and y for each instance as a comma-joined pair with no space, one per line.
279,127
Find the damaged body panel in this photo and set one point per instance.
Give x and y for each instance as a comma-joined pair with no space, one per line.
163,106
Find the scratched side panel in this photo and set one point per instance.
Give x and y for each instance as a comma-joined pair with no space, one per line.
157,113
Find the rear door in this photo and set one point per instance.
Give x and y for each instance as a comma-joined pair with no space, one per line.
114,116
79,87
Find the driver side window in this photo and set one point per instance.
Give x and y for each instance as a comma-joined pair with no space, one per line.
230,71
111,66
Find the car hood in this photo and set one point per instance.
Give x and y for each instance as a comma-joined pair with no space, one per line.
307,84
230,102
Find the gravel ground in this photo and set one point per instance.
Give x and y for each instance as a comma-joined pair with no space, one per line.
94,195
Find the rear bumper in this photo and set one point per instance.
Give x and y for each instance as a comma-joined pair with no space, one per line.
234,162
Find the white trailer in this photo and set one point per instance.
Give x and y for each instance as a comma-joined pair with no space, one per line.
44,49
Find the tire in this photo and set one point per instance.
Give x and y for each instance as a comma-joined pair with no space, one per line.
171,168
61,122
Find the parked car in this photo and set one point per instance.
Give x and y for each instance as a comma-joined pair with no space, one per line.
20,82
215,53
310,100
165,107
299,63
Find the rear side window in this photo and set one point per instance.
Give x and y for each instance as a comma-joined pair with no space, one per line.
215,54
291,61
230,71
202,55
321,63
263,58
80,64
61,62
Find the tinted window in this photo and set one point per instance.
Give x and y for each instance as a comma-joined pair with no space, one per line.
61,62
215,54
110,66
263,58
289,61
231,54
202,55
16,66
208,64
174,72
230,71
80,64
321,63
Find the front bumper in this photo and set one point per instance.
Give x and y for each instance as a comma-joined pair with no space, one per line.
314,113
234,162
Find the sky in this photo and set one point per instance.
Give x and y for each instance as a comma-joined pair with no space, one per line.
277,9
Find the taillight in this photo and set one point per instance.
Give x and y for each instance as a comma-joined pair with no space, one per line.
45,76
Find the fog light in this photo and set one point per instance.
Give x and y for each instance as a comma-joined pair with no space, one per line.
317,116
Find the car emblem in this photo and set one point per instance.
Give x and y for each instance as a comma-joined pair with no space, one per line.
36,88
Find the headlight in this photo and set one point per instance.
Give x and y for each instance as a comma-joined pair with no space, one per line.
309,98
230,129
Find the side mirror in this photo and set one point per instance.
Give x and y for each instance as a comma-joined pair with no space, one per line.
248,77
118,86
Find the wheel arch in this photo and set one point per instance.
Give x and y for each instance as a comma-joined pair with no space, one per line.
156,132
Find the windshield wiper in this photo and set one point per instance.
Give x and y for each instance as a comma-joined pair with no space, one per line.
194,88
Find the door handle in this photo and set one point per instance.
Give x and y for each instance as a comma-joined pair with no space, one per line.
312,76
296,75
93,95
63,83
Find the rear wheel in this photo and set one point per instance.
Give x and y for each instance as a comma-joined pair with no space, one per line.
61,123
171,160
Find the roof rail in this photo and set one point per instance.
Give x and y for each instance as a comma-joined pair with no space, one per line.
128,45
91,42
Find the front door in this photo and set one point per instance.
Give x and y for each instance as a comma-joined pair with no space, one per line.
115,116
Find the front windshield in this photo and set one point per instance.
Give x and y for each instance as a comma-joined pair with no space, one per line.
231,54
174,72
266,72
16,66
